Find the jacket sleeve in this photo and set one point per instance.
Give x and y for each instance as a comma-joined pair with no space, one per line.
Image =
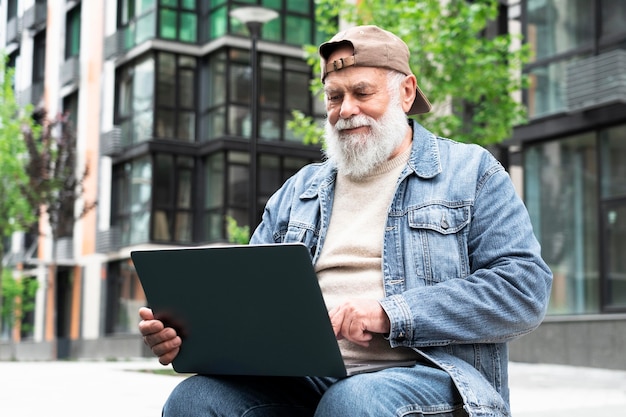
506,293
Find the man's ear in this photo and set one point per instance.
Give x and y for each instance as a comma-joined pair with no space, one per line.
408,92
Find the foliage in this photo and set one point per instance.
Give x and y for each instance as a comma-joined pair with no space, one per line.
16,213
470,78
237,234
19,297
306,128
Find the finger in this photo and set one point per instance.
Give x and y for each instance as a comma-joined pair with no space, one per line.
168,348
357,333
336,320
168,357
165,335
149,327
146,314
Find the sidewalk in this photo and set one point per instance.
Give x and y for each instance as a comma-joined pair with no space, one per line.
104,389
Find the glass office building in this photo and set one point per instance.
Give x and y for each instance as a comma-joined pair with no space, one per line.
573,155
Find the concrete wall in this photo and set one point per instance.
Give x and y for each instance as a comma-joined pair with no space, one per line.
107,348
595,341
592,341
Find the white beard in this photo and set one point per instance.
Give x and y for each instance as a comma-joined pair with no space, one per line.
357,155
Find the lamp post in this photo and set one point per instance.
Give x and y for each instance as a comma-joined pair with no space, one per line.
254,18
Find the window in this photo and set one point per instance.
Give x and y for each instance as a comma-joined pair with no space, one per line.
70,106
176,101
131,200
124,297
12,9
613,206
214,174
283,87
39,67
557,26
613,17
178,20
226,178
154,202
563,181
561,32
137,18
135,99
294,25
173,202
72,33
561,195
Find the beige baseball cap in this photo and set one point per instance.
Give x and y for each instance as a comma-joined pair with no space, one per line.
373,47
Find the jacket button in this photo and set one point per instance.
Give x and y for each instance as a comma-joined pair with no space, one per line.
401,337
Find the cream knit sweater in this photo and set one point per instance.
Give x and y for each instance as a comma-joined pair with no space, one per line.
351,259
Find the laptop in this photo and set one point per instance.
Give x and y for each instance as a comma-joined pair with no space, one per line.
245,310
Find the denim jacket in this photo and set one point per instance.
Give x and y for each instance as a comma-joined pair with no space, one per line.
462,269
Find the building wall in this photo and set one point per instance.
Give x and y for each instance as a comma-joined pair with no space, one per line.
596,341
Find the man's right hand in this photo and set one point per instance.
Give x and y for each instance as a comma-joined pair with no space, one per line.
163,341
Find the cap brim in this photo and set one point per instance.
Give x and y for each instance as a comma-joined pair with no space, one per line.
420,104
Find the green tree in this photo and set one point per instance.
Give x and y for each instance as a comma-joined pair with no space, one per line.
237,234
16,213
19,294
458,64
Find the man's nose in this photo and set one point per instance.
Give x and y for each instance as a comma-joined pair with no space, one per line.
349,107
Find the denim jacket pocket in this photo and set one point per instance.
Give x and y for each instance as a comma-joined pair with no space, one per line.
439,235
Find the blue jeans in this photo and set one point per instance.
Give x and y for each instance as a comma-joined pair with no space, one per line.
416,391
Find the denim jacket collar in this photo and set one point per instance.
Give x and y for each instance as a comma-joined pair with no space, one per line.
424,161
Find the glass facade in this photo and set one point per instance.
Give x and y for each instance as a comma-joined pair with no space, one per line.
176,97
613,206
561,32
135,100
165,96
131,200
582,241
201,21
575,150
124,298
561,195
284,87
184,121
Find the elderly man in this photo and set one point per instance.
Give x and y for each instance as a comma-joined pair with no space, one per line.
422,250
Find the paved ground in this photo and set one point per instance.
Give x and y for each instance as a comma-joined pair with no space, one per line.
99,389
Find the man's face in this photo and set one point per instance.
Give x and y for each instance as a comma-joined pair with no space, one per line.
366,122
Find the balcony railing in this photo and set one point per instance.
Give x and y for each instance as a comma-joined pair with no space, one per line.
108,240
31,95
35,17
70,71
597,81
137,32
14,30
64,249
111,142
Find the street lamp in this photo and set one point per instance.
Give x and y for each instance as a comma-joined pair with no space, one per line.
254,18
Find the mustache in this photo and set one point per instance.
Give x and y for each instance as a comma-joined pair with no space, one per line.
353,122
